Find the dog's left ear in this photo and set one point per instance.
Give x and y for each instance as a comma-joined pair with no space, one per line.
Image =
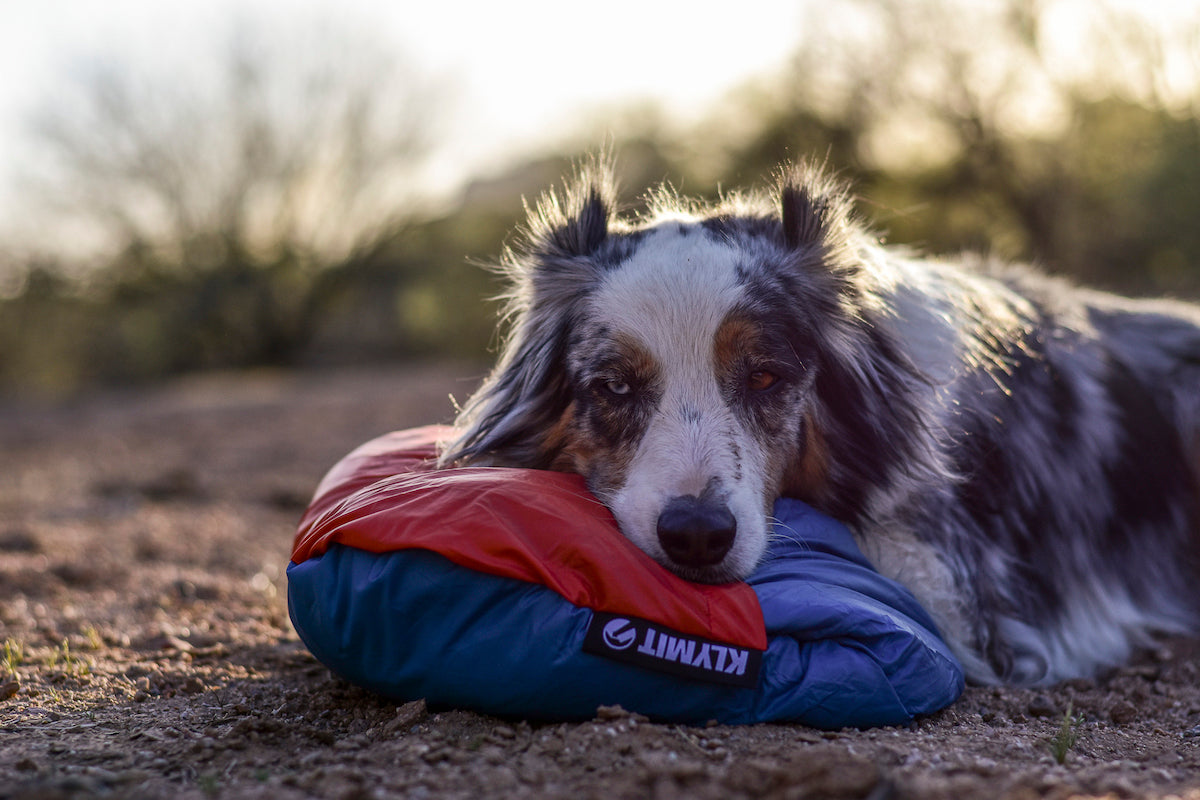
814,208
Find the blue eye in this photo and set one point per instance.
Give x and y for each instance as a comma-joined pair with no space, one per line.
619,388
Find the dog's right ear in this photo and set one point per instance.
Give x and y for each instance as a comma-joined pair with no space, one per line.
551,262
576,221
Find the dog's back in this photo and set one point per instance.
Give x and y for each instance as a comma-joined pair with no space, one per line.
1073,423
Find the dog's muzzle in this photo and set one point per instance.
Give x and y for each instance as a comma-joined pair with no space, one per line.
695,532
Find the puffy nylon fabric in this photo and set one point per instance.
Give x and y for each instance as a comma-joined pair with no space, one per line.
532,525
868,653
844,646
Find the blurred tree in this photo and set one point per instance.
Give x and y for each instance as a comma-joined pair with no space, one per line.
246,214
957,139
232,203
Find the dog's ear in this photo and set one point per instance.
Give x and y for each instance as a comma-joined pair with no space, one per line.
549,269
868,393
583,227
814,208
509,420
551,262
575,221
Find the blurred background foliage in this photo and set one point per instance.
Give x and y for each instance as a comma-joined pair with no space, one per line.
269,216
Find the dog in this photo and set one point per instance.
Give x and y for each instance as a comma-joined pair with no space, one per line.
1022,454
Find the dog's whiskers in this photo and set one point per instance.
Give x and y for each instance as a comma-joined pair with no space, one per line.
778,531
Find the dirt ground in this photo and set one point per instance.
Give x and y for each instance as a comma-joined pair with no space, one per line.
148,653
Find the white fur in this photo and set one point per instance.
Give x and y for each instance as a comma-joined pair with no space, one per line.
671,296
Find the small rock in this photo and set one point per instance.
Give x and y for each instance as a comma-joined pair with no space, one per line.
26,765
164,641
437,755
407,715
1147,671
83,576
174,643
19,540
9,686
685,769
1042,706
609,713
288,498
985,766
176,484
1123,712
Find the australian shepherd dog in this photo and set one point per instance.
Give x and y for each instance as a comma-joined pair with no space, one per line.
1022,454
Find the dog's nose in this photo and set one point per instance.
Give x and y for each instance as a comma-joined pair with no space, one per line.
695,533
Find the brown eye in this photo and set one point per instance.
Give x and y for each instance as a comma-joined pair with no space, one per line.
760,380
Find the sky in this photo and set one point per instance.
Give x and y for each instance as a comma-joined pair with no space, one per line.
518,72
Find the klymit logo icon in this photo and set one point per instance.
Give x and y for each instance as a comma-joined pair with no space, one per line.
653,646
619,634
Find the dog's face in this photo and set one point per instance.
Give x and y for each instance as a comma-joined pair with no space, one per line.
694,367
687,401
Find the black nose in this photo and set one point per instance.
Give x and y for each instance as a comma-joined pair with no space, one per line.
694,532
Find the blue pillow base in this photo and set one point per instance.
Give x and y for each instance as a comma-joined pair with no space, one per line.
846,646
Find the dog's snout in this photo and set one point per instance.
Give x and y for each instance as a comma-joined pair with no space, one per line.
696,533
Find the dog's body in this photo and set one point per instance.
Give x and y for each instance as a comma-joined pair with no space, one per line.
1023,455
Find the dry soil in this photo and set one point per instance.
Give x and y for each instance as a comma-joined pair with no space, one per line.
148,653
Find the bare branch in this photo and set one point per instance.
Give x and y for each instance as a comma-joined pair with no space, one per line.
304,149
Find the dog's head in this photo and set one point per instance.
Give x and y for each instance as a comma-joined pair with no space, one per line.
684,363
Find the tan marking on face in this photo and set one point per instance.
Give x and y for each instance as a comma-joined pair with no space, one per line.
635,360
584,455
561,445
735,337
585,435
806,477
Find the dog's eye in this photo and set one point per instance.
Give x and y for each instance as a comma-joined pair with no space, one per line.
618,388
760,380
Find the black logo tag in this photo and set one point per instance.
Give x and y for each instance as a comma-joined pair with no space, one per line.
653,646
